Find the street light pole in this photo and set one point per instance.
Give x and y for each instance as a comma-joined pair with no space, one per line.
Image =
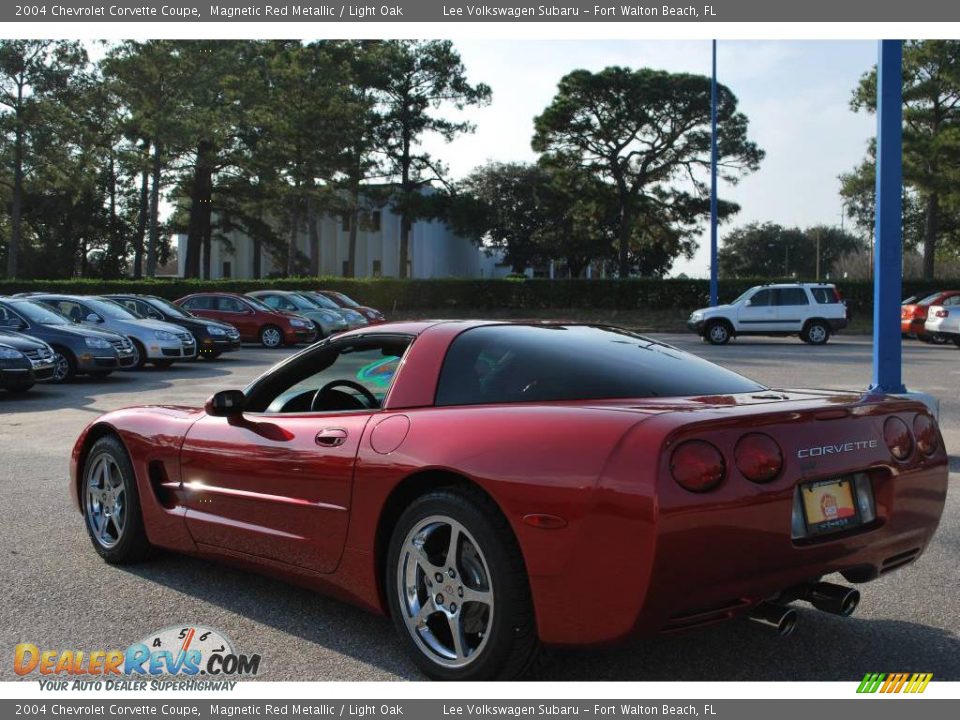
714,290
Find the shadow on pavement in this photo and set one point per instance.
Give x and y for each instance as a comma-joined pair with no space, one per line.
824,647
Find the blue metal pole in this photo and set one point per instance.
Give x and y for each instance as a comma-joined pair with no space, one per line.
888,255
713,183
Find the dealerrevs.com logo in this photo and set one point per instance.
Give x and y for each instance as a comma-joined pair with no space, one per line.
190,651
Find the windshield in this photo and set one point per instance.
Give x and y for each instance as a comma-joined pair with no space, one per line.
322,301
35,312
258,304
529,363
300,302
743,296
349,302
109,309
168,307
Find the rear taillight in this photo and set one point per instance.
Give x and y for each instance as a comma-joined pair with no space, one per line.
925,431
837,295
897,436
758,457
697,466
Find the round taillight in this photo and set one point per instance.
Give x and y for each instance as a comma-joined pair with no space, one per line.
697,466
758,457
925,431
897,436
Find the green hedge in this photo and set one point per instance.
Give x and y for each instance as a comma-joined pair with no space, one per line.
390,295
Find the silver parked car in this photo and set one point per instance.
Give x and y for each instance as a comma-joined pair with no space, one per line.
154,341
327,321
353,317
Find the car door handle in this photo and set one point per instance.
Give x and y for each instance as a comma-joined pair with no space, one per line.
331,437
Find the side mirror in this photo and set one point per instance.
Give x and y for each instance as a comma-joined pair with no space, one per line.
226,403
94,318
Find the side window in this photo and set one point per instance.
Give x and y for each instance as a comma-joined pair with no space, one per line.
229,304
761,298
824,295
339,379
952,300
276,302
202,302
72,310
133,306
792,296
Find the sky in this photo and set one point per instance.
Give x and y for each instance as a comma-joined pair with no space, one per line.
796,95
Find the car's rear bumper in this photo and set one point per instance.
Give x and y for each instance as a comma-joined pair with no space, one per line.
645,569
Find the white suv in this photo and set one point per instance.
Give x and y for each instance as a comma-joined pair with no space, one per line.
811,310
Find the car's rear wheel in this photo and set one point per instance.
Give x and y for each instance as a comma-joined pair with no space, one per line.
64,365
458,589
815,332
111,504
271,336
717,333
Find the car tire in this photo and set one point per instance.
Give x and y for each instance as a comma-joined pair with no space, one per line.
108,491
815,332
139,354
937,339
497,628
271,337
717,332
64,365
162,364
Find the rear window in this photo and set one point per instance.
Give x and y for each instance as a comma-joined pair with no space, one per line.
824,295
524,363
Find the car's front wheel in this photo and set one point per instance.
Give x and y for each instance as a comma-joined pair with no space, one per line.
111,504
458,589
271,336
64,366
718,333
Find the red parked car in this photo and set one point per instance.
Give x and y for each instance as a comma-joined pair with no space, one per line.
913,315
256,321
373,316
495,486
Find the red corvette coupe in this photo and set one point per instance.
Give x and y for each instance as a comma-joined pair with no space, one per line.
494,487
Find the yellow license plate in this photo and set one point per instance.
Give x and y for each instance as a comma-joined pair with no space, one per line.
829,505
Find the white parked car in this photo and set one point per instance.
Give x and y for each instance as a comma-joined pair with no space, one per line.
943,321
814,311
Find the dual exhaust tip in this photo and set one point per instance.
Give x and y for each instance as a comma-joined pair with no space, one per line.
828,597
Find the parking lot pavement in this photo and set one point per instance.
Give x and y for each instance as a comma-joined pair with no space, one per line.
61,596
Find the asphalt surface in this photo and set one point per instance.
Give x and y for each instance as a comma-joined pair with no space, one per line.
59,595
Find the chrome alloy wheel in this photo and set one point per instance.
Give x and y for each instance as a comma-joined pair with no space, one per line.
817,334
105,501
445,591
61,367
272,337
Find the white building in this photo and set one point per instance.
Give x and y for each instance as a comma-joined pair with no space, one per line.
435,251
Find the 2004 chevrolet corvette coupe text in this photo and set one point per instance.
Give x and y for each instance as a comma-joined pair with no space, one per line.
494,487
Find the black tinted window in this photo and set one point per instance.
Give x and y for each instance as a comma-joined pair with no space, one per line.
824,295
761,298
792,296
522,363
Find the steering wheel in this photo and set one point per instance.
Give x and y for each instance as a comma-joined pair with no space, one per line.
367,395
